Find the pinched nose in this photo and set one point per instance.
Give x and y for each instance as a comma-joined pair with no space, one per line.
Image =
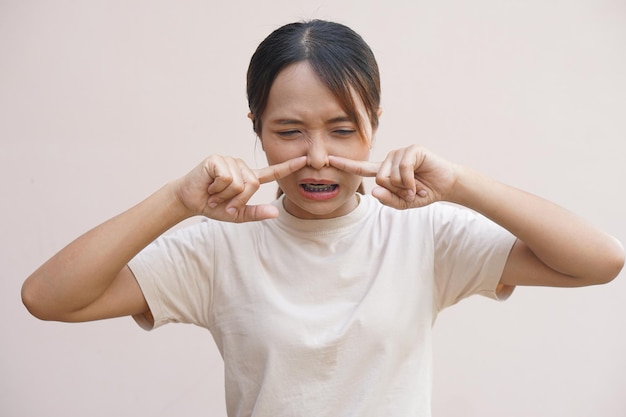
317,155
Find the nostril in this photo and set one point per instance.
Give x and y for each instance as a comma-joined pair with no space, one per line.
317,162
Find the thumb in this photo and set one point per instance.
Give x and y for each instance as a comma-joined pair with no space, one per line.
389,198
386,197
392,199
253,213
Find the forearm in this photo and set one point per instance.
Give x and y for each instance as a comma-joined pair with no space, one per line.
81,272
560,239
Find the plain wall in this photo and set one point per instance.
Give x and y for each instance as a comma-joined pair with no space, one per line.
102,102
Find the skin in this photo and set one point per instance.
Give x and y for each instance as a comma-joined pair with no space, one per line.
306,139
302,117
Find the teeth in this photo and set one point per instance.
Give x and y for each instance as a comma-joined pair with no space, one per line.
319,187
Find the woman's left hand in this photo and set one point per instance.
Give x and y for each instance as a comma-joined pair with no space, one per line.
409,177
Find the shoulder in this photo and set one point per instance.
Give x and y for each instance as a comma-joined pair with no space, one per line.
202,234
427,213
438,219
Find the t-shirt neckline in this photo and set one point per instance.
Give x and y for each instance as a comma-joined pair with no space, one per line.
322,225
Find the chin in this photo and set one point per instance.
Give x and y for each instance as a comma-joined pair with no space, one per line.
317,207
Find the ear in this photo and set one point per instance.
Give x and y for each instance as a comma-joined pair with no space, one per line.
251,117
379,113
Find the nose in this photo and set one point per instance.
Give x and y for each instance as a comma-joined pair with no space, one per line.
317,154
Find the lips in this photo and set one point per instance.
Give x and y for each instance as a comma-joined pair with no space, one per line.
318,189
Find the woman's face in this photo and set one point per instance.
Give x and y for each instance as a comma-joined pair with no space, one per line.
302,117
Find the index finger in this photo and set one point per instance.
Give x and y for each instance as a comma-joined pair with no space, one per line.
362,168
278,171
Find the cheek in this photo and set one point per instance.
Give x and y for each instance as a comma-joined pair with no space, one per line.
277,152
357,151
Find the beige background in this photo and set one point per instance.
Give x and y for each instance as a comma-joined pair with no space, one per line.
101,102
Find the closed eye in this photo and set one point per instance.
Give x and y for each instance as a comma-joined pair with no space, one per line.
288,134
344,132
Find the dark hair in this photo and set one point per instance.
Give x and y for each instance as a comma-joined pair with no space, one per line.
337,54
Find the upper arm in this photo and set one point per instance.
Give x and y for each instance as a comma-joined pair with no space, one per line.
122,298
523,267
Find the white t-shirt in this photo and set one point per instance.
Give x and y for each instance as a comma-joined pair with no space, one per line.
325,317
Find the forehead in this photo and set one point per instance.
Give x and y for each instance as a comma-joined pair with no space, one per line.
297,89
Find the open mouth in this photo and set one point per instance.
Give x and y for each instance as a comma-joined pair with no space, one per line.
319,188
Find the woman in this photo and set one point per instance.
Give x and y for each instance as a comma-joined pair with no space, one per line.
321,302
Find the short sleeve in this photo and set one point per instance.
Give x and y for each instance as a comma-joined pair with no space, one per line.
470,254
175,274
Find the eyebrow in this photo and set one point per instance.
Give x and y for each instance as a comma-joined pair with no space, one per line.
339,119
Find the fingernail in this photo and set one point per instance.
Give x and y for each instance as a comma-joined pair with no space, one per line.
422,193
213,204
231,210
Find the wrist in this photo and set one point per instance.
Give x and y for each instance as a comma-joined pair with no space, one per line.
467,186
176,203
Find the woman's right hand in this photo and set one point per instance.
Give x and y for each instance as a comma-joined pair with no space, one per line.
89,280
220,187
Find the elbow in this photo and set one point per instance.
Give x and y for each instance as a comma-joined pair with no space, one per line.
29,299
33,302
613,264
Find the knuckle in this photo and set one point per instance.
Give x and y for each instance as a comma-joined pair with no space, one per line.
237,187
405,165
396,176
254,183
226,178
212,160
